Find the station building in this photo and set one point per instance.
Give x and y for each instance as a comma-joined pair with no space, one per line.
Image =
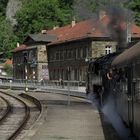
77,44
64,52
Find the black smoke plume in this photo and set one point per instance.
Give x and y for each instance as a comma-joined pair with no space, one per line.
120,18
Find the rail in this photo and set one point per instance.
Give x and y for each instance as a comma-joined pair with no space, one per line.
23,122
7,111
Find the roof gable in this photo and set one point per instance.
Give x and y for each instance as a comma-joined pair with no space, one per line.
20,48
39,38
88,29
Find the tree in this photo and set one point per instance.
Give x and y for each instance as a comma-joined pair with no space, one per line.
8,69
135,7
7,37
65,3
85,9
36,15
3,4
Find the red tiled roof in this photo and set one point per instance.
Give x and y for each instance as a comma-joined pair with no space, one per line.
86,29
8,62
80,30
20,48
135,31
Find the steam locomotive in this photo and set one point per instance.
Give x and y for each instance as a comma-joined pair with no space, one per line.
119,74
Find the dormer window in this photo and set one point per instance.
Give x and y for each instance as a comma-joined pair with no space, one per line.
108,49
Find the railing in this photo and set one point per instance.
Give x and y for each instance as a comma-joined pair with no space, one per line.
33,84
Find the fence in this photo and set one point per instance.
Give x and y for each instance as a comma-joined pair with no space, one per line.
44,85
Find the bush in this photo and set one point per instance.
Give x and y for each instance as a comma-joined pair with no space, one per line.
8,69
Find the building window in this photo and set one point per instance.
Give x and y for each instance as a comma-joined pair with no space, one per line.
61,55
108,49
65,54
57,55
81,53
69,54
74,54
78,53
84,52
25,57
52,56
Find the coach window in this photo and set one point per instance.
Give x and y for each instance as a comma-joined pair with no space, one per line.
136,78
54,73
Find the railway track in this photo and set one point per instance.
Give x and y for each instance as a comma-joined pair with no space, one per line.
16,116
5,108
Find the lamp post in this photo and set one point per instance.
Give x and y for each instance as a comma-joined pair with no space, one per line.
26,78
33,66
26,71
68,70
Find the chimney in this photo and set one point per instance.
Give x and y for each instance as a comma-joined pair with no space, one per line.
128,33
17,44
44,31
73,23
55,27
102,13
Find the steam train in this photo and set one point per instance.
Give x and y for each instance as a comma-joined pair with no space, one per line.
124,83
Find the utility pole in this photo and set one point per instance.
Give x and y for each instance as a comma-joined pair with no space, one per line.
68,69
26,71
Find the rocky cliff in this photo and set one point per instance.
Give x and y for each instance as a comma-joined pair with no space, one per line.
11,9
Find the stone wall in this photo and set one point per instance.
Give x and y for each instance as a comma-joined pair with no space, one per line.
43,71
98,48
42,59
42,53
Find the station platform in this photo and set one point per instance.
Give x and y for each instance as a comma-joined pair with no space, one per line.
79,120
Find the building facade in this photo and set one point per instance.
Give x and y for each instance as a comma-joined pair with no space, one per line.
69,61
80,42
30,61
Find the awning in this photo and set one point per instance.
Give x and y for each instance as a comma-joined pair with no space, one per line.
128,56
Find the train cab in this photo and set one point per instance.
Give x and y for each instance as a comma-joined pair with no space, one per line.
97,74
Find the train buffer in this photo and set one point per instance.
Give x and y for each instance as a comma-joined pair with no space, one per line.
78,121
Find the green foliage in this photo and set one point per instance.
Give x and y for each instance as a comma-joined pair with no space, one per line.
3,4
85,9
135,7
8,69
7,37
66,3
36,15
